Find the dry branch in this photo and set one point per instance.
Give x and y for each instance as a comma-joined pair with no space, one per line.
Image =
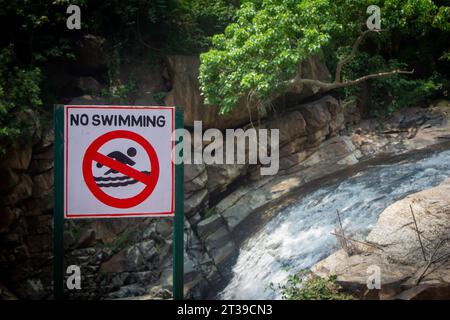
358,241
418,234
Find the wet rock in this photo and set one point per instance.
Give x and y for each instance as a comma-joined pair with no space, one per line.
209,225
222,254
195,202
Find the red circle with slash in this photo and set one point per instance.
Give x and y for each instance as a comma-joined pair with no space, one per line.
149,180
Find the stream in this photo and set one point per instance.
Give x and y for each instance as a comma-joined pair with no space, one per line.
299,236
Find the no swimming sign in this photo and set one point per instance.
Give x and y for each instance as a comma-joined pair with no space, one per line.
118,161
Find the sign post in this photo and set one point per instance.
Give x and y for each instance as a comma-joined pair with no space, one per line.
178,225
117,161
58,211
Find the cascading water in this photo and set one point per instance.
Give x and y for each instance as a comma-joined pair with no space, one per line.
299,236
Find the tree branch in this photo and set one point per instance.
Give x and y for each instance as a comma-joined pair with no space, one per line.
355,47
327,86
297,84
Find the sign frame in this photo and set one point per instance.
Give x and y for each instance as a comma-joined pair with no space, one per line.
59,204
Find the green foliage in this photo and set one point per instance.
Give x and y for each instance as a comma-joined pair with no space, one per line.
195,21
261,50
160,97
122,240
19,91
395,92
307,286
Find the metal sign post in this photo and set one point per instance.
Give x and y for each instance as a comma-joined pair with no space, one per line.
178,225
89,158
58,210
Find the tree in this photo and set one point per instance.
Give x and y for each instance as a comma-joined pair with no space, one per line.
260,55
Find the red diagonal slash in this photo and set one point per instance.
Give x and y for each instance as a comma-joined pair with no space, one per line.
122,168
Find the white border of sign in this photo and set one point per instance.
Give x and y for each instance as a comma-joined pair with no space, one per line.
112,215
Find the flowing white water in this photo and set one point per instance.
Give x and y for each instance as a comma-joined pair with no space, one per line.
299,236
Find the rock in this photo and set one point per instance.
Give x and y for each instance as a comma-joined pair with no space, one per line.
127,291
291,125
87,238
237,212
7,216
43,184
90,53
6,294
209,225
195,202
38,205
222,254
401,260
352,114
337,150
148,250
135,258
147,76
41,224
164,228
318,117
88,100
195,177
31,289
39,242
218,239
395,229
118,263
19,158
20,192
185,93
220,176
145,99
352,271
89,85
427,291
313,68
9,180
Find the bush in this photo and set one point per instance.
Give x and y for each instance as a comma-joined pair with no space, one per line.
392,93
19,91
304,285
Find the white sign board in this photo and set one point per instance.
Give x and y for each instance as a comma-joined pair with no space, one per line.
118,161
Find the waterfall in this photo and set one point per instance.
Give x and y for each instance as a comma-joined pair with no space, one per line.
299,236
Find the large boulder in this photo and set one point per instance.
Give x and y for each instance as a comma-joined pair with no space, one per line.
394,247
185,93
91,56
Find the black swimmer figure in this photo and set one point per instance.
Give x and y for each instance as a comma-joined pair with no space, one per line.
119,156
